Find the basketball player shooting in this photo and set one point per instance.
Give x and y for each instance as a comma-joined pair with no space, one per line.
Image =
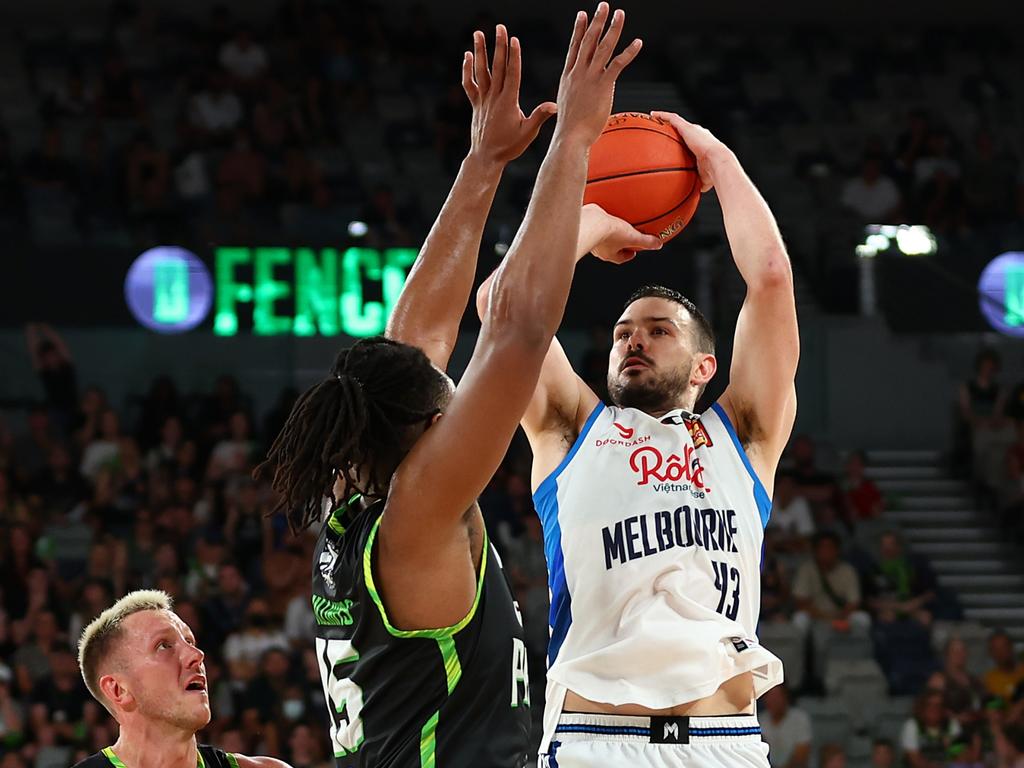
654,515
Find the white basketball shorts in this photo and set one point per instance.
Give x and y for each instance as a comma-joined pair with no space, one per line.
599,741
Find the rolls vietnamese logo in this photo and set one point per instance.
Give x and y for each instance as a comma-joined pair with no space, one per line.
651,465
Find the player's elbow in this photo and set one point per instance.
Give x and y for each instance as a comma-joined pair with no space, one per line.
775,273
482,295
516,313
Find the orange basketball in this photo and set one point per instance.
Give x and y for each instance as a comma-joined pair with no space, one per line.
641,171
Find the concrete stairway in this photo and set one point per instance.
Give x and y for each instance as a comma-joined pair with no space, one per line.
941,520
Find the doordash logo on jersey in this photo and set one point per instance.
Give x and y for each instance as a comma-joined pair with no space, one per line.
651,465
627,441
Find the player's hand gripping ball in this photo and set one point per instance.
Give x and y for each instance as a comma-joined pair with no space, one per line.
642,172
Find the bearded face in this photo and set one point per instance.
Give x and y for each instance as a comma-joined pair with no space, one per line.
653,361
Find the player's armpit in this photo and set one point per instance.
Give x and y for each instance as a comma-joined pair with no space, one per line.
557,412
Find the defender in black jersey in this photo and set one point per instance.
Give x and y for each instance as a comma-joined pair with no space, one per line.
140,661
458,695
420,644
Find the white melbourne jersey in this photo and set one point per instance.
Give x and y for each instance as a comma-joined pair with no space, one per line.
653,531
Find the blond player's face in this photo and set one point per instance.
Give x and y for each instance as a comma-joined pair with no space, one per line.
164,670
652,353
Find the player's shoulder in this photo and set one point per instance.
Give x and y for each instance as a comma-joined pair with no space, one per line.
93,761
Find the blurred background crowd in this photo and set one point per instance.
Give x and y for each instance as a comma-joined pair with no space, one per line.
97,500
147,127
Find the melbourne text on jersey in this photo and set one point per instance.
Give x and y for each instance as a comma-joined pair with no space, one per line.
643,535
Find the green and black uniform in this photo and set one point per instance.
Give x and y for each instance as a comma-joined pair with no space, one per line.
432,698
209,757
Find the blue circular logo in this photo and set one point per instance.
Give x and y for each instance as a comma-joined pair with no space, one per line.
168,289
1001,293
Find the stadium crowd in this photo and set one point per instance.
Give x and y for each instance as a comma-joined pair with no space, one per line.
97,500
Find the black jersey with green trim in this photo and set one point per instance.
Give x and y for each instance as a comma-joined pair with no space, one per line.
442,698
209,757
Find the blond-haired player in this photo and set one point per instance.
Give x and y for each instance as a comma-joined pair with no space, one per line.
140,661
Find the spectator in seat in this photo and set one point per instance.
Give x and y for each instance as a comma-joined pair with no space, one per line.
791,524
267,690
832,756
980,409
1008,738
224,612
243,168
48,167
964,691
232,456
776,602
827,594
244,648
988,182
55,368
900,587
1008,671
105,450
305,749
215,111
244,59
786,729
63,695
942,206
120,95
148,183
32,660
863,499
883,754
816,485
873,196
827,589
927,736
936,158
912,143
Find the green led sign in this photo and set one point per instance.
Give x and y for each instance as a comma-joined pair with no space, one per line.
307,292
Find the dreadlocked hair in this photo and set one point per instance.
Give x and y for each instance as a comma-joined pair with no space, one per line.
353,425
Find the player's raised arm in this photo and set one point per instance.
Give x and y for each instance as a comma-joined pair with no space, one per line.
562,400
760,398
452,463
434,299
244,761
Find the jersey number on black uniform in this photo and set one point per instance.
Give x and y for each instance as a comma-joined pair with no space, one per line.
344,698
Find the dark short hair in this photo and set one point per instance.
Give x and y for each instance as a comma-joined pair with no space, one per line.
987,354
822,536
881,741
703,332
999,633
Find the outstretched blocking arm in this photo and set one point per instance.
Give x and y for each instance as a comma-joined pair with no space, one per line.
244,761
451,464
562,401
434,298
761,397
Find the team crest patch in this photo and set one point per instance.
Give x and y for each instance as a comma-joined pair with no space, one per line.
698,434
